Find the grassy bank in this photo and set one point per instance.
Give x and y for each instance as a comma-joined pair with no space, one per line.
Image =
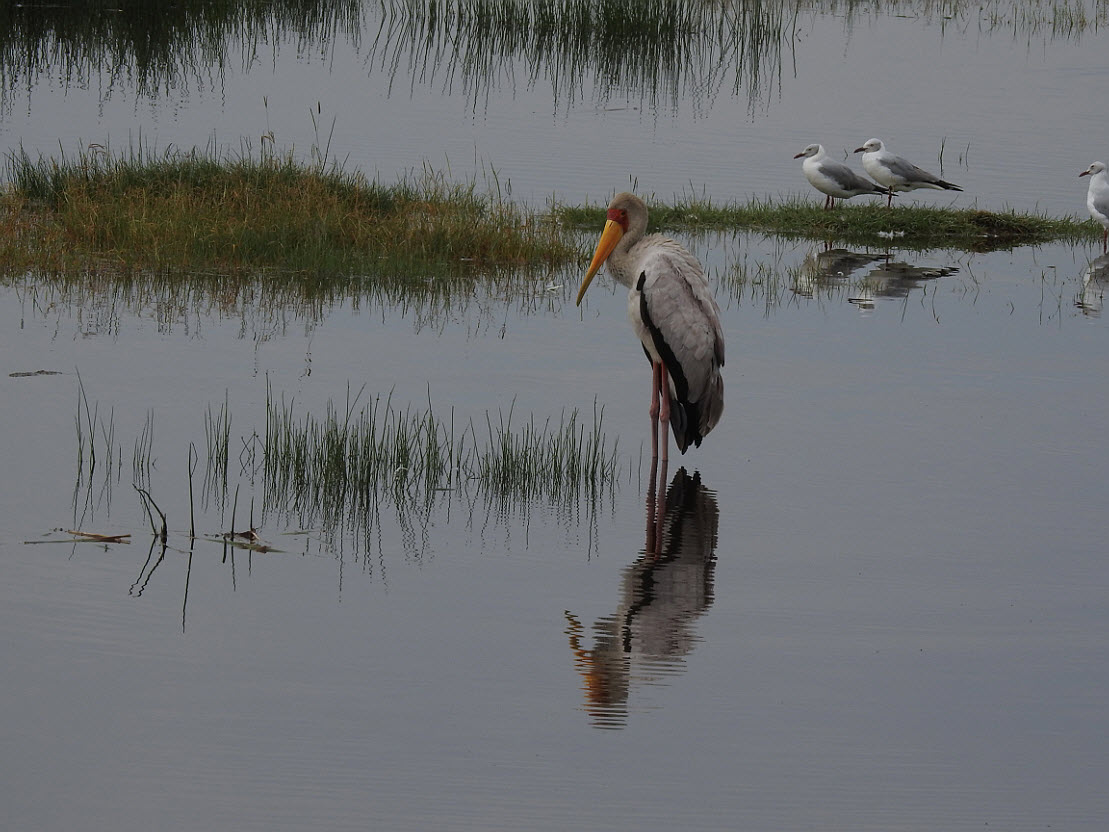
219,212
207,210
864,224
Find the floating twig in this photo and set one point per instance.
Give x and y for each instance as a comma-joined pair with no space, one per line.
88,537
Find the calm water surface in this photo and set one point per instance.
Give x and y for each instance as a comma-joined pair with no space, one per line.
1010,104
878,599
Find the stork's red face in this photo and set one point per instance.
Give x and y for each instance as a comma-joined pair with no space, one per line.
616,225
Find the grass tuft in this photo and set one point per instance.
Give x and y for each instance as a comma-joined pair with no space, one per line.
210,209
862,224
334,470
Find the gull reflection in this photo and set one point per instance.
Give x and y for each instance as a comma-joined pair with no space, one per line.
896,280
1094,281
886,279
826,268
662,593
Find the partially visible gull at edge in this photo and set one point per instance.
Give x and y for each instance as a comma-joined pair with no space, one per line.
1097,198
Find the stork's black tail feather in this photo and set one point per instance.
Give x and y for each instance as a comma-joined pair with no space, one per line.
685,422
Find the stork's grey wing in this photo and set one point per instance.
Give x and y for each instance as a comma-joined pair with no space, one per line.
680,306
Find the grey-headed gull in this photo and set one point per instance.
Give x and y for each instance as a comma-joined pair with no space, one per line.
833,179
896,173
1097,198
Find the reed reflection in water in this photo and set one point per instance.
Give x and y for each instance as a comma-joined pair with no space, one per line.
661,53
662,594
657,53
158,49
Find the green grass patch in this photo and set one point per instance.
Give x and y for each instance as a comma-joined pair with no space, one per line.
216,211
865,224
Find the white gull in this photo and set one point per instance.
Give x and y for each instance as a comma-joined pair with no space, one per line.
1097,198
896,173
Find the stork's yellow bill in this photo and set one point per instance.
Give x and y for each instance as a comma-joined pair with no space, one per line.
609,238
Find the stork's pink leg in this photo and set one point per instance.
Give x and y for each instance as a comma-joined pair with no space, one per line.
656,369
664,410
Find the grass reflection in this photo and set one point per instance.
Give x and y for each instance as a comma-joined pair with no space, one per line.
1050,20
657,50
656,53
156,49
271,303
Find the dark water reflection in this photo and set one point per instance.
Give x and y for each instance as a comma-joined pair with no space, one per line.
155,50
662,594
270,303
659,53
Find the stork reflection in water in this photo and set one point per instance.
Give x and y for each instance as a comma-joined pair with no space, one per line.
662,594
672,310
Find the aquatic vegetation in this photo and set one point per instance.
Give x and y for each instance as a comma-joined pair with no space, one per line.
155,47
910,227
339,469
211,209
657,52
662,48
336,472
1050,20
